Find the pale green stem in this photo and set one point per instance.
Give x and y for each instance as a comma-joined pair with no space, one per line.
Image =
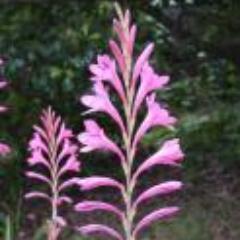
54,228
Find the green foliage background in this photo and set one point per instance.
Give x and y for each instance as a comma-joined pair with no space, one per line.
48,46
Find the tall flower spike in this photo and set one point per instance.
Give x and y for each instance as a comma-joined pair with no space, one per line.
140,82
4,148
52,148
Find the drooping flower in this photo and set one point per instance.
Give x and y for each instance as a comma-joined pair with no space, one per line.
156,116
100,102
139,82
105,70
94,138
169,154
150,81
4,149
52,148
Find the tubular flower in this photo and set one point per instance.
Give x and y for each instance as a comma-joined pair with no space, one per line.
52,148
4,148
139,82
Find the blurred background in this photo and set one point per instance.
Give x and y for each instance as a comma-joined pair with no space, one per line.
48,45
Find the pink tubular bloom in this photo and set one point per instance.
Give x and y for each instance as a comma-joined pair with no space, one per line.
100,102
99,228
3,84
159,214
142,59
94,138
160,189
105,70
93,182
89,206
169,154
150,81
156,116
117,54
4,149
52,147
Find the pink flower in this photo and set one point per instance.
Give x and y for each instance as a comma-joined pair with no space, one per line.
156,116
159,189
142,59
169,154
93,182
105,70
94,138
100,102
4,149
3,84
90,206
99,228
160,214
150,81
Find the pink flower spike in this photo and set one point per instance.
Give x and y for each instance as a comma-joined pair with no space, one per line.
94,138
169,154
93,182
150,81
53,148
156,116
99,228
160,214
142,59
90,206
160,189
100,102
4,149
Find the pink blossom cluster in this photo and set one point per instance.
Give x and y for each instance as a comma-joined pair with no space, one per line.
135,82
